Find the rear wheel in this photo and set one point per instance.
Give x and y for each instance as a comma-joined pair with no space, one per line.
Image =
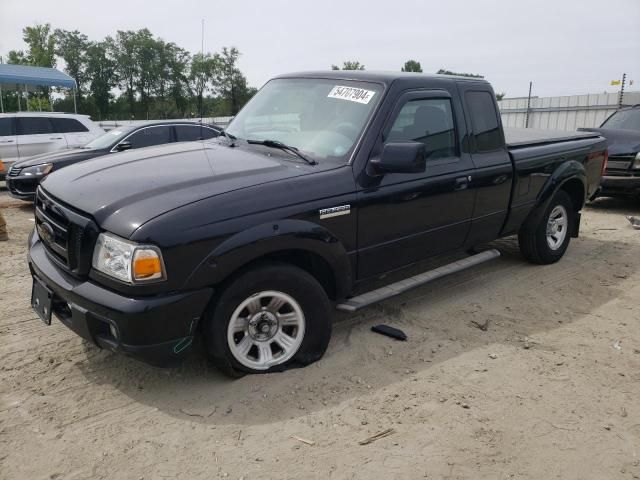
546,241
270,318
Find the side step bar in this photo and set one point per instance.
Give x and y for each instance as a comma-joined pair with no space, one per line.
356,303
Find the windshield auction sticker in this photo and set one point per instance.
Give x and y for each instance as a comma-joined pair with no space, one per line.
352,94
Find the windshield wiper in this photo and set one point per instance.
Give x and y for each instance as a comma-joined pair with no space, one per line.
283,146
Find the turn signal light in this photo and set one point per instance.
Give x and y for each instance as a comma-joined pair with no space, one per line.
146,265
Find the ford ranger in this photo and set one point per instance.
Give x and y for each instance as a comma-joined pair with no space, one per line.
323,184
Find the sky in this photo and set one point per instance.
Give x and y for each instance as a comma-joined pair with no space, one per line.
564,47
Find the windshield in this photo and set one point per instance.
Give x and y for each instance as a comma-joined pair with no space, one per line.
110,138
321,118
624,120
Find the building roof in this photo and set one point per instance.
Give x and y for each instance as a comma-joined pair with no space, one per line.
40,76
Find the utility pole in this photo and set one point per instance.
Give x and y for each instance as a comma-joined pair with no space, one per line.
526,118
624,79
1,104
202,58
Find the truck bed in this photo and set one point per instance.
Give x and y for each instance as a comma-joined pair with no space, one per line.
526,137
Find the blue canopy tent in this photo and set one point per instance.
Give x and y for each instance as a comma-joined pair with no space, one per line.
38,76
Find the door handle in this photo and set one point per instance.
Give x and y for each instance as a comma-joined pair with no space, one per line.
6,141
462,182
55,138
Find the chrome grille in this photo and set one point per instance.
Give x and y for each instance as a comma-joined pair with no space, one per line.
14,172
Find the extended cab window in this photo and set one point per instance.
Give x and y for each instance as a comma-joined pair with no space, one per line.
68,125
34,125
6,127
484,118
428,121
190,133
150,136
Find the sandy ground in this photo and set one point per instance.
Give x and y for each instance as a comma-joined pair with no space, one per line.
549,391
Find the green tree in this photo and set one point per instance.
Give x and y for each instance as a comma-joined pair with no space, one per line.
229,81
101,75
72,48
41,43
134,73
443,71
172,83
147,65
123,49
412,66
349,65
17,57
40,52
202,71
500,96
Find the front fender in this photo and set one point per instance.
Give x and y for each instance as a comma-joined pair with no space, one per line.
262,240
568,171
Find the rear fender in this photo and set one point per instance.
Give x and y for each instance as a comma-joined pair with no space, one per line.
568,171
270,238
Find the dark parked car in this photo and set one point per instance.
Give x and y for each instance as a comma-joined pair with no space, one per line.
324,183
622,131
24,176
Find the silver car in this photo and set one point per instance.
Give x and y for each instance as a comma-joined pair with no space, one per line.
24,135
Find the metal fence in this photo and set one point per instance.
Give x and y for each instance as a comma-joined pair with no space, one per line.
563,113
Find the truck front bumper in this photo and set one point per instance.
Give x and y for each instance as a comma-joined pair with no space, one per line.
158,330
614,186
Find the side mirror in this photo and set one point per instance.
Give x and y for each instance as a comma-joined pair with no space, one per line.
122,146
401,157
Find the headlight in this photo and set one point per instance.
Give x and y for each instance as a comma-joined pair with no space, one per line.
636,162
128,261
37,170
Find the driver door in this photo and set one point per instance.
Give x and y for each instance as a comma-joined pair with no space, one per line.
406,217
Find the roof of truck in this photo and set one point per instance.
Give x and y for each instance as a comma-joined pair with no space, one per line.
376,76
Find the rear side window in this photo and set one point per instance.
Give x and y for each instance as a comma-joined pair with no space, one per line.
190,133
428,121
147,137
34,125
7,127
484,118
68,125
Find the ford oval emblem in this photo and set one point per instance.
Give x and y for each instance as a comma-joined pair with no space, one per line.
46,232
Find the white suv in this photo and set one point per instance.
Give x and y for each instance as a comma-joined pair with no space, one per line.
26,134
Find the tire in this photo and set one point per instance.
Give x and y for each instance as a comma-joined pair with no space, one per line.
536,245
278,310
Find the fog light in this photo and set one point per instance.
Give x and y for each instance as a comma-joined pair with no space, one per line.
113,331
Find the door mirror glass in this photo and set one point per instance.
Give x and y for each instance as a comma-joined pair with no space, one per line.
401,157
122,146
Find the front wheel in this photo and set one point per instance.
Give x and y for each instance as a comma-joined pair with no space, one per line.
546,241
270,318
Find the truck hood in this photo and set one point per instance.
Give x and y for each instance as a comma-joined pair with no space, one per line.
125,190
619,142
60,157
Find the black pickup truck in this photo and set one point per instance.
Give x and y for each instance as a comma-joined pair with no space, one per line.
322,185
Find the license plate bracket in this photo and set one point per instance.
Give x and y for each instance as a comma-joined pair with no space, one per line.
41,300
